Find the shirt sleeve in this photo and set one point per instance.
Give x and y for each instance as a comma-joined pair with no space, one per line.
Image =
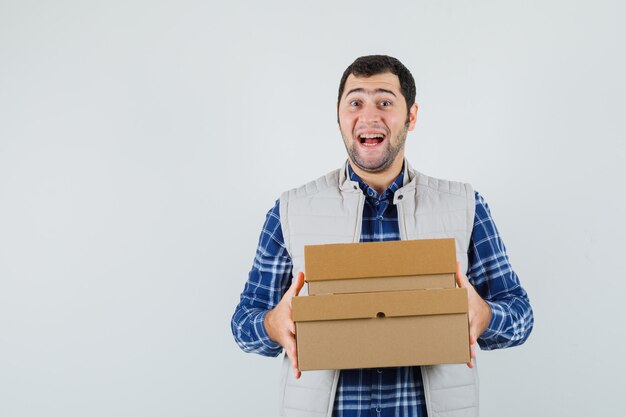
268,280
492,276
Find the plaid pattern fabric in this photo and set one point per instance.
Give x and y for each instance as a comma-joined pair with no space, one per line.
388,391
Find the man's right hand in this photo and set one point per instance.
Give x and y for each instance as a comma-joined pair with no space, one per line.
280,326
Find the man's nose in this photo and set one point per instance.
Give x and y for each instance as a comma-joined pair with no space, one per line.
370,113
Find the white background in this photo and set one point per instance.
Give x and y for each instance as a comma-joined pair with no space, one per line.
142,143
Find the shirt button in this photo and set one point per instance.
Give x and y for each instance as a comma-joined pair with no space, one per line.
378,410
379,217
376,202
400,197
380,371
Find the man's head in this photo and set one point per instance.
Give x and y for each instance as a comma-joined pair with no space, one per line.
375,110
369,65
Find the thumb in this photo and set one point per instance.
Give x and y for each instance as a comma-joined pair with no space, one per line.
296,284
461,279
299,282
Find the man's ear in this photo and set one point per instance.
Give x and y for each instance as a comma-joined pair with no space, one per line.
412,116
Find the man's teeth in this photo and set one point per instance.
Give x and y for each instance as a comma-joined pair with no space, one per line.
371,139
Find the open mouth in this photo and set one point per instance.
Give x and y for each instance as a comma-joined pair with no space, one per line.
371,139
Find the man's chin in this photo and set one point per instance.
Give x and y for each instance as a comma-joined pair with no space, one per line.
371,167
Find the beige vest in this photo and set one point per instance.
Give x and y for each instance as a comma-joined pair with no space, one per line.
329,210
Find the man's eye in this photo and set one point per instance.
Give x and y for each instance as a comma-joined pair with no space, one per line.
354,103
385,103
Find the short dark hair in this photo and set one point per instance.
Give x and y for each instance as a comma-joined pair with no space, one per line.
366,66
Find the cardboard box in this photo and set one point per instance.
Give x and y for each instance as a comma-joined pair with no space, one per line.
380,266
381,304
382,329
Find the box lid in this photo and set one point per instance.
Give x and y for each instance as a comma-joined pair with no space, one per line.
379,304
379,259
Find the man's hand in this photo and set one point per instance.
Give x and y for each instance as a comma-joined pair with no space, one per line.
280,326
479,312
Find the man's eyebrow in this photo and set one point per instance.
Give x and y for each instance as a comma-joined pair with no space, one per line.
370,92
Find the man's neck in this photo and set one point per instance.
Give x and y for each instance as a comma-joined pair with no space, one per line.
380,181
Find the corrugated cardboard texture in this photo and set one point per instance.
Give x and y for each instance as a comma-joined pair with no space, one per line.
356,285
379,259
404,328
383,342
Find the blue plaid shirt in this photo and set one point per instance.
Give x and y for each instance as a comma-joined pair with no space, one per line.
385,392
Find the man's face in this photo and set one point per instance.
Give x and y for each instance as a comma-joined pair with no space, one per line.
373,121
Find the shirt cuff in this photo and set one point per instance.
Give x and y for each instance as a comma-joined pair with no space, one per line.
496,322
261,332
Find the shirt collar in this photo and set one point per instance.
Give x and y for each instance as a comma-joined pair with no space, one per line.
370,192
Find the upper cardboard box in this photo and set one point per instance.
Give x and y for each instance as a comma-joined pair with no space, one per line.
380,266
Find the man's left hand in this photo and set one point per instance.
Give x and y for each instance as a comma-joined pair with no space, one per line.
479,312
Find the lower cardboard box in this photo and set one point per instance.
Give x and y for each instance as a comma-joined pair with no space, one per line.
382,329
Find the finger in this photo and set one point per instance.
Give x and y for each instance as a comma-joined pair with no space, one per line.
299,282
461,279
472,340
292,353
296,285
472,334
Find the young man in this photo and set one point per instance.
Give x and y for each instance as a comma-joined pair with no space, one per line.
377,196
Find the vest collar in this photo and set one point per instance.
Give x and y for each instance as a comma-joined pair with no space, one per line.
409,182
345,183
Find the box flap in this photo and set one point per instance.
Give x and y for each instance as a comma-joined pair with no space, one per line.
405,283
379,259
379,304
